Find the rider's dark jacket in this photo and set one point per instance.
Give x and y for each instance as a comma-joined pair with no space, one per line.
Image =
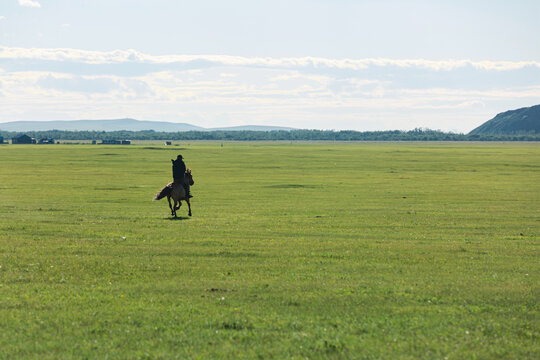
178,170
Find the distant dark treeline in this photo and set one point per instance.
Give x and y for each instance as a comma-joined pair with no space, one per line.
294,135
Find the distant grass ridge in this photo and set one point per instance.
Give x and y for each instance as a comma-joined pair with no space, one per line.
524,121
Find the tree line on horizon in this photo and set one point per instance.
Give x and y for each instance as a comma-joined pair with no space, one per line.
276,135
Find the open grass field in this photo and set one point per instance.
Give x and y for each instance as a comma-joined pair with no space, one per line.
360,251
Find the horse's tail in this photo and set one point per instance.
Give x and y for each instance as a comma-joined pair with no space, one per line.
166,191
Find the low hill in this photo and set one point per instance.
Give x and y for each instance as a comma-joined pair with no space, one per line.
520,121
98,125
121,124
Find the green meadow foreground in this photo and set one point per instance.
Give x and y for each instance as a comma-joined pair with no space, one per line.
294,251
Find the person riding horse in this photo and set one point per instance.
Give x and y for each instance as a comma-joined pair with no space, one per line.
179,173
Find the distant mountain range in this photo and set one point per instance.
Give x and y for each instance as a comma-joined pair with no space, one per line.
513,122
520,121
121,124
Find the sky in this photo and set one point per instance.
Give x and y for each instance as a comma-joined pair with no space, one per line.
318,64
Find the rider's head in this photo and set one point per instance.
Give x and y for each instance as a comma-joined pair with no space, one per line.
179,157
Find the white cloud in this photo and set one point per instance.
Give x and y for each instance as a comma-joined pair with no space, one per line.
2,17
78,84
65,25
29,3
301,92
442,93
133,56
296,75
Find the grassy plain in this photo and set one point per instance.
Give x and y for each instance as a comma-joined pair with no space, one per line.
358,251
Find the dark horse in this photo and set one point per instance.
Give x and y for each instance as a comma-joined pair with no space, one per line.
176,191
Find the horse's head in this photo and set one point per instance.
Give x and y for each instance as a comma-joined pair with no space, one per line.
189,177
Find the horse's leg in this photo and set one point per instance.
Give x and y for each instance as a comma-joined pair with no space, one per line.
189,207
175,207
170,206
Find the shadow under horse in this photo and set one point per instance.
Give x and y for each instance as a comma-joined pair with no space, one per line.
176,191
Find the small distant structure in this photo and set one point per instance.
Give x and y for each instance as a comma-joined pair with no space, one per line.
2,140
93,142
116,142
46,141
23,139
168,143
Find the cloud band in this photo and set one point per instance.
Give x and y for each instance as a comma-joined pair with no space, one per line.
133,56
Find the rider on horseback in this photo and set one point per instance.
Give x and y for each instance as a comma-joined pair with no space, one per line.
179,173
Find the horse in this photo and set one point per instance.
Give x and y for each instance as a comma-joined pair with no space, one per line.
176,191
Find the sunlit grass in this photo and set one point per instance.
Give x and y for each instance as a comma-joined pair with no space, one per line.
293,250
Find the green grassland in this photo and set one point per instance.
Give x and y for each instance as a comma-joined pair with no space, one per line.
364,251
